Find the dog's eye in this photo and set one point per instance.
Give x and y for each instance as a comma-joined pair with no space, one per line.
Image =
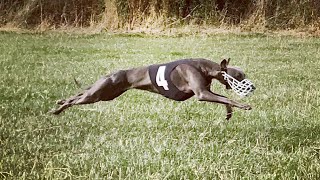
239,78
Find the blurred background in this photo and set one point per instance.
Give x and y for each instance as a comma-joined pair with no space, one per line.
159,14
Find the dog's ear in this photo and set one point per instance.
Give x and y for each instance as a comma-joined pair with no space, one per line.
228,61
223,64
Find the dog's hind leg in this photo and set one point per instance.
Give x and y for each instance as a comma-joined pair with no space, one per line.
105,89
65,103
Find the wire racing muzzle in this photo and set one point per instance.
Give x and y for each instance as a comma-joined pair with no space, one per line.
242,88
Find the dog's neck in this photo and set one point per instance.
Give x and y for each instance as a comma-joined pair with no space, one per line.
210,69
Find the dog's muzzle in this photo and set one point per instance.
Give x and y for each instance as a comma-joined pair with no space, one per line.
242,88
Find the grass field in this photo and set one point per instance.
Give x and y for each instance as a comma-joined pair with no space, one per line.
142,135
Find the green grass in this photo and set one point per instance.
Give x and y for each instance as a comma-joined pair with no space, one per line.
141,135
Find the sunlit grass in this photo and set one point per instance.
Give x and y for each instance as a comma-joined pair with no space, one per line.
141,135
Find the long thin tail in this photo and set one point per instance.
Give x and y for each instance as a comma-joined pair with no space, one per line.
77,83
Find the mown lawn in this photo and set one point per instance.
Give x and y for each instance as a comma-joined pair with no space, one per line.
141,135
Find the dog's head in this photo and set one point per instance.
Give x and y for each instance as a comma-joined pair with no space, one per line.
234,78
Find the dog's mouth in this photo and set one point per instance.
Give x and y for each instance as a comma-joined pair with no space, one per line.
251,91
242,88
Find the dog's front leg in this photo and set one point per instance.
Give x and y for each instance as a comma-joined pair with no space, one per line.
229,111
212,97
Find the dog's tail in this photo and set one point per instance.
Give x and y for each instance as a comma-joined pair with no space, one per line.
77,83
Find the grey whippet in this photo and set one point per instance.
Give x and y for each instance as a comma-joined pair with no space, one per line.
177,80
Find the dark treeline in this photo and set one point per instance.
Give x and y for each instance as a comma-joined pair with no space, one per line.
30,13
270,14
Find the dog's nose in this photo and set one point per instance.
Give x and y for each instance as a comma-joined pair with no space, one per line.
253,87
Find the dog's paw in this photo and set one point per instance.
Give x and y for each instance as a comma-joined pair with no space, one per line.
54,111
246,107
61,101
229,115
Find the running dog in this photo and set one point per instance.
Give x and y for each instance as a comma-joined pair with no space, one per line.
178,80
